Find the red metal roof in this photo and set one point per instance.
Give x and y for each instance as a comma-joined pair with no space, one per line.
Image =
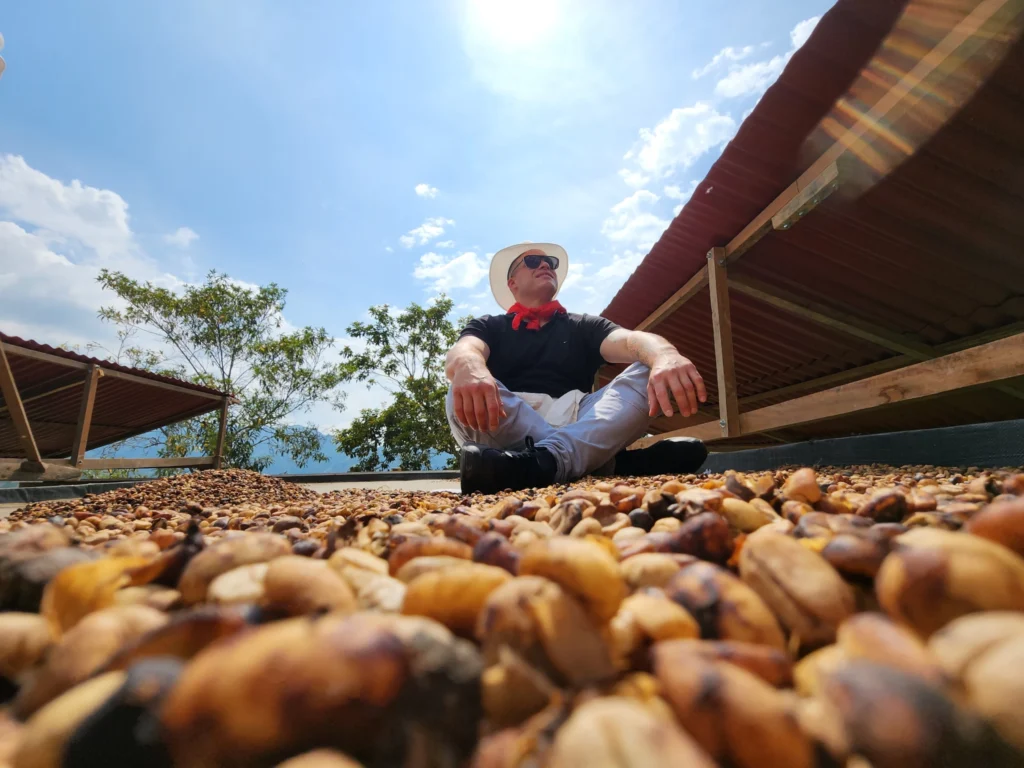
932,250
129,401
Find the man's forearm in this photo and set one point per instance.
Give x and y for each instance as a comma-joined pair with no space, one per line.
646,347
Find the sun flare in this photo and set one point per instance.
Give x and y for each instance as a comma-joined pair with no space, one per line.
513,22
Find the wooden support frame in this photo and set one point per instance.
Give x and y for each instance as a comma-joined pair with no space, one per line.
975,366
86,375
862,329
222,430
728,405
12,398
871,369
92,380
13,349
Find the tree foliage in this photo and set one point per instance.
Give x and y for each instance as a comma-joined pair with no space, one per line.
230,336
402,353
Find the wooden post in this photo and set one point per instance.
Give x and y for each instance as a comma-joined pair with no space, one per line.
92,379
218,456
9,389
728,404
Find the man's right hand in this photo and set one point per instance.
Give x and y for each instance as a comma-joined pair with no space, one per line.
476,399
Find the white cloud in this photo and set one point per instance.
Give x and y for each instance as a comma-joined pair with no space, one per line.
54,239
755,78
181,237
751,78
72,214
802,31
574,276
430,229
679,140
682,195
633,178
447,273
727,54
619,268
389,249
589,290
630,224
673,191
445,244
425,190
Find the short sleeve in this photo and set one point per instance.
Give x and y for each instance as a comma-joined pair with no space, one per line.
597,330
480,327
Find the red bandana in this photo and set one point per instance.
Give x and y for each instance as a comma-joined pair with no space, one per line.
534,315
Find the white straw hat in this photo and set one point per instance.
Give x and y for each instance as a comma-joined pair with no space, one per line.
503,260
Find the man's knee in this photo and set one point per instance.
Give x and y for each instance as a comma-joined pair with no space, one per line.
635,378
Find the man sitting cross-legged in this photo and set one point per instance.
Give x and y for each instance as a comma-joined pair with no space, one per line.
518,404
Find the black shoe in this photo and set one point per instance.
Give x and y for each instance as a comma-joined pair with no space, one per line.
680,456
488,470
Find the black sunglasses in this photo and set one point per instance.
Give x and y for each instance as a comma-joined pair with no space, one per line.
534,260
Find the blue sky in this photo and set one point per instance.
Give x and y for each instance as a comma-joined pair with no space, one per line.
358,153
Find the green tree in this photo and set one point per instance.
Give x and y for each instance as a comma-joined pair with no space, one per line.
229,336
403,354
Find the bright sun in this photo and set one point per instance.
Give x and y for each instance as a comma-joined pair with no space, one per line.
513,22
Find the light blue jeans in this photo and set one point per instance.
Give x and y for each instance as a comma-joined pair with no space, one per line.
609,420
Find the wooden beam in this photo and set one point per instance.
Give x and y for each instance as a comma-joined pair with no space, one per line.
17,470
222,430
721,321
692,287
984,364
802,202
822,315
187,461
16,409
43,357
92,380
161,384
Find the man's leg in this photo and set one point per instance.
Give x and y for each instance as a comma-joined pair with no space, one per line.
521,421
490,462
609,420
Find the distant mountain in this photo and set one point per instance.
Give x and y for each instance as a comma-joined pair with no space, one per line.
336,462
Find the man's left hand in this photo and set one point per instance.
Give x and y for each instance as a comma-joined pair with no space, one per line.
673,375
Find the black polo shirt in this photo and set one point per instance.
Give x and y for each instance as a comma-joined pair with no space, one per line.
562,356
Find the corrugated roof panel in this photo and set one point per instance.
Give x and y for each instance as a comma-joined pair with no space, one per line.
931,251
